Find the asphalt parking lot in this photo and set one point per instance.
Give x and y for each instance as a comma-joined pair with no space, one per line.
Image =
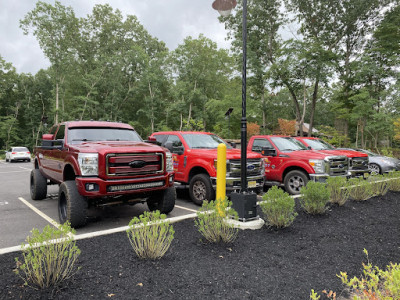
19,214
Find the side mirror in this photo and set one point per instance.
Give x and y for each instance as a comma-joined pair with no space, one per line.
177,150
268,151
47,137
152,140
233,144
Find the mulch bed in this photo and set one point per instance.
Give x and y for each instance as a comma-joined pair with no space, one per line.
260,264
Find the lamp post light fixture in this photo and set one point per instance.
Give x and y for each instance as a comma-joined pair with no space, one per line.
243,202
228,116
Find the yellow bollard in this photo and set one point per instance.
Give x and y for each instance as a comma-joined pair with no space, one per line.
221,174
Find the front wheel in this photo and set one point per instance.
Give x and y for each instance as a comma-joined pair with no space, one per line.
163,201
71,205
294,181
38,185
200,189
375,169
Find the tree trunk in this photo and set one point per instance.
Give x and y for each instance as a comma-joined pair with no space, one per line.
313,105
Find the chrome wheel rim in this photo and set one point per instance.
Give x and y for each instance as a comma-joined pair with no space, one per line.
199,190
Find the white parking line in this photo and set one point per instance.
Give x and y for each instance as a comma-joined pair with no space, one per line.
40,213
13,172
185,208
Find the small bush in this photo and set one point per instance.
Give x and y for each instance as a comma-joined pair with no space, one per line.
379,185
49,257
213,225
315,196
375,283
360,189
338,188
150,235
394,182
278,207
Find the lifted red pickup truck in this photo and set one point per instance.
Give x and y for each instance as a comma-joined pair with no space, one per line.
101,163
195,161
358,161
291,164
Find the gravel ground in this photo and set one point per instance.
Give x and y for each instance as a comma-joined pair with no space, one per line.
260,264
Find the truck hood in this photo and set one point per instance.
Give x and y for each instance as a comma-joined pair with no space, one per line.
348,153
230,153
116,147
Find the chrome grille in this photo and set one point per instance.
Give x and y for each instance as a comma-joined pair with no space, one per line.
359,163
254,167
337,165
128,164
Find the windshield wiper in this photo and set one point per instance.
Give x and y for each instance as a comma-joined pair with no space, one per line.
82,140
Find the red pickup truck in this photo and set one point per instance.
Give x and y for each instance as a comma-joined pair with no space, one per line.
195,161
291,164
358,161
99,163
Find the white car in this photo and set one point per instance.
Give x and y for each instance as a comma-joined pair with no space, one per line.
18,153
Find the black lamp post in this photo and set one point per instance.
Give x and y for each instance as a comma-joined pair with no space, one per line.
243,202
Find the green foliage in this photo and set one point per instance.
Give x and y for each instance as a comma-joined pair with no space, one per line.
333,136
394,182
49,257
379,185
375,283
360,189
315,196
150,235
278,207
213,225
314,295
338,188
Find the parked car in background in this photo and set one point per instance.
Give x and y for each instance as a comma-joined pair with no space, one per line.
380,164
18,153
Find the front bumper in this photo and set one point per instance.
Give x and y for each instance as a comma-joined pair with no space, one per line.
234,183
359,173
95,187
323,177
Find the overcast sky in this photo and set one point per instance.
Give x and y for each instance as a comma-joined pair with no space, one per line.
168,20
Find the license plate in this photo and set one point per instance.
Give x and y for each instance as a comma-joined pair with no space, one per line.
252,184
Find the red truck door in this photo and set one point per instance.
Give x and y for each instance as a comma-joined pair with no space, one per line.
272,162
52,159
178,159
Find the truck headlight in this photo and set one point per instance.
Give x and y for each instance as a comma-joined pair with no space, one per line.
169,167
318,165
89,164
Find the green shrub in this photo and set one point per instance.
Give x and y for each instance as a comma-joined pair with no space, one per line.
379,185
375,283
213,225
338,188
315,196
394,182
278,207
150,235
360,189
49,257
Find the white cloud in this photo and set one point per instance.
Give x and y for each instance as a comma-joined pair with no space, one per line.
169,20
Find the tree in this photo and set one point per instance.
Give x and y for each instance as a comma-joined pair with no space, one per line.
56,29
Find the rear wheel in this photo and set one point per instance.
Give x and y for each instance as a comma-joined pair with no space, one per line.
71,205
294,181
200,189
164,201
38,185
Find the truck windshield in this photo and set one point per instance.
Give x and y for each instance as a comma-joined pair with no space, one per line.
286,144
319,145
83,134
203,141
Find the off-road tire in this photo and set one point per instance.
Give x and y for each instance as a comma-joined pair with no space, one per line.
7,160
374,169
294,181
38,185
164,201
200,189
71,205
